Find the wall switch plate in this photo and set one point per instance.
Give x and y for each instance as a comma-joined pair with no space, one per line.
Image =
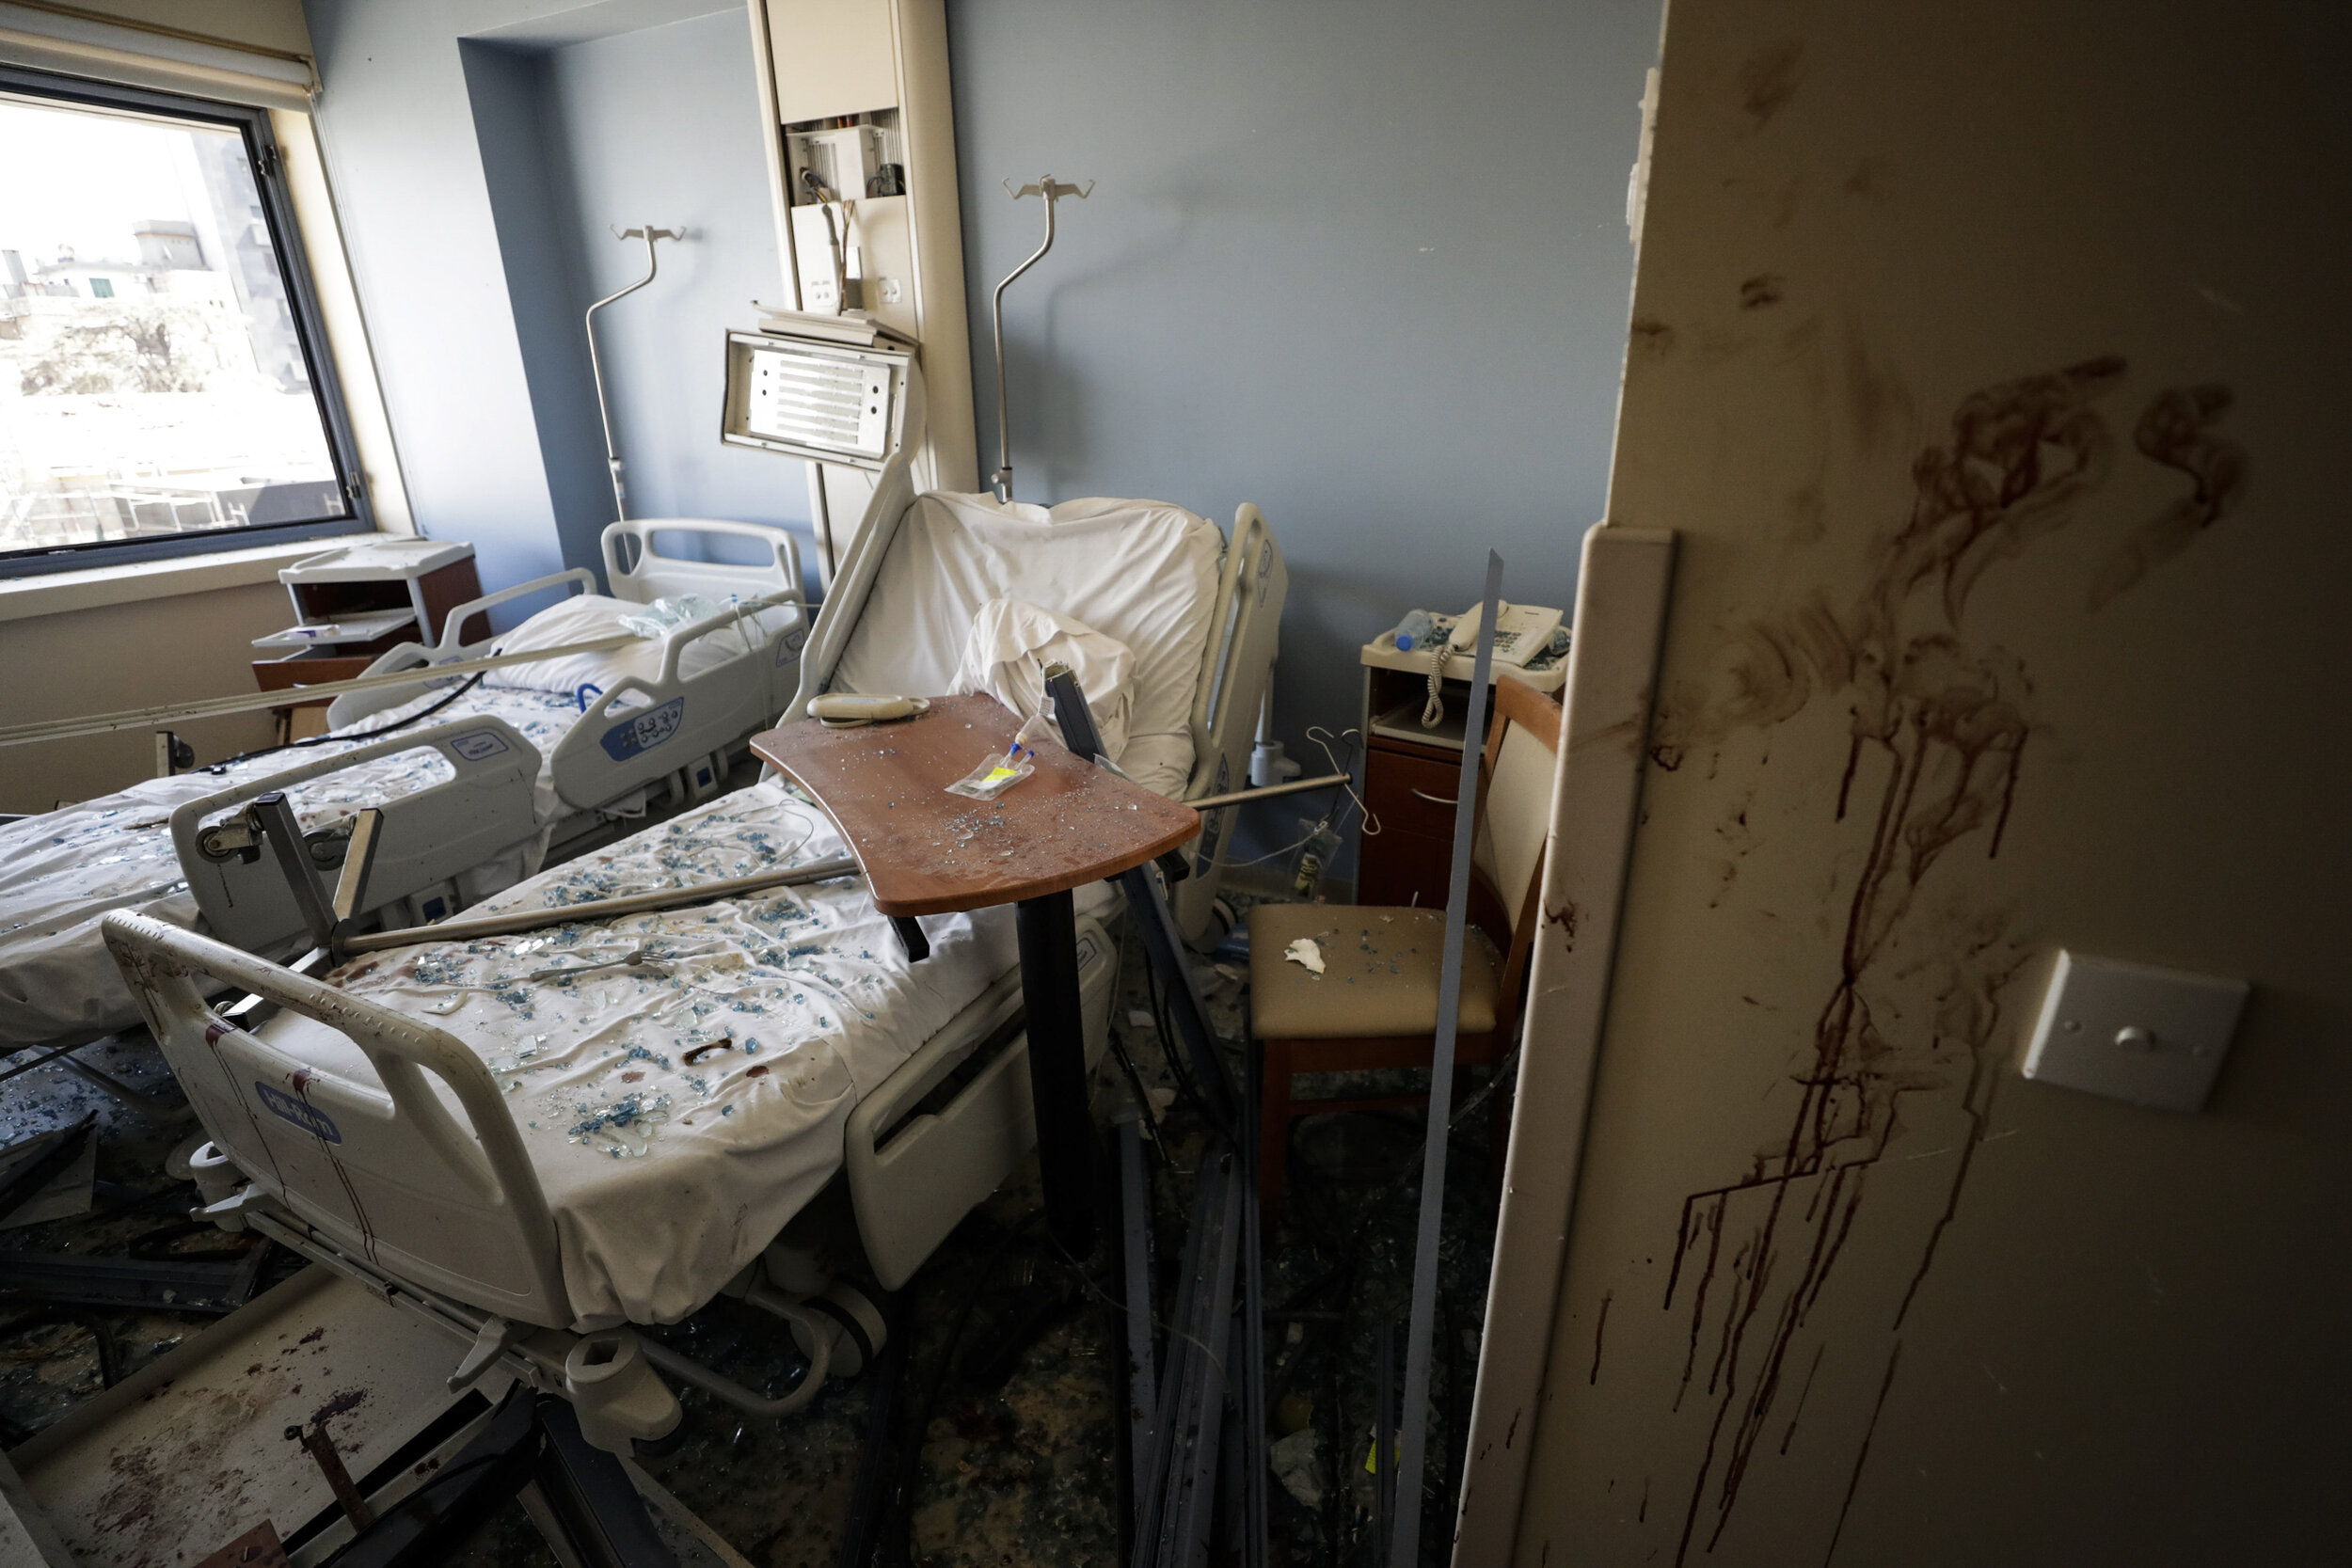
2148,1037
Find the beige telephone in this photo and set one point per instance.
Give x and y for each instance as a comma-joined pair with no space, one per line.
1521,632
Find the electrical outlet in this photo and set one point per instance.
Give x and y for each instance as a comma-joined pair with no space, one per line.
891,290
2148,1037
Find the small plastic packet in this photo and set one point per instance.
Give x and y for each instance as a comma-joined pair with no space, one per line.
997,774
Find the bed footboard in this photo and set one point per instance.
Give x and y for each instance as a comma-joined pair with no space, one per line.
383,1170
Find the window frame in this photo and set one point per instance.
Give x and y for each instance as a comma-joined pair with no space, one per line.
278,211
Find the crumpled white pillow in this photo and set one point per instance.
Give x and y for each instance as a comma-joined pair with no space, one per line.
1011,643
588,617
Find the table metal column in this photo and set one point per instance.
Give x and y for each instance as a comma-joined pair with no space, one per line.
1048,930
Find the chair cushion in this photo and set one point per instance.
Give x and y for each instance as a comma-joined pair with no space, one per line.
1379,978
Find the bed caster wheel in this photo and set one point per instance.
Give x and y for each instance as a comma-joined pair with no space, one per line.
618,1397
216,1178
852,1324
662,1448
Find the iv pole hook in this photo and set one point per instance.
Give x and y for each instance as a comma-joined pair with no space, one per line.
595,366
1051,190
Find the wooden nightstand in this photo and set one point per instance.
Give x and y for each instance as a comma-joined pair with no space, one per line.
356,602
1411,772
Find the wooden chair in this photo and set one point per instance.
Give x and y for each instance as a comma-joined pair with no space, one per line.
1375,1004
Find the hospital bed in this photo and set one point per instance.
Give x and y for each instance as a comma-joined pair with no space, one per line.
676,730
60,871
537,1140
1158,579
640,749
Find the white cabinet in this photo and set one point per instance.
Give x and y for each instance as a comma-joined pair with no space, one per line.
857,95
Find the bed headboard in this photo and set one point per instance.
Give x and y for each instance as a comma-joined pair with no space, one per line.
640,574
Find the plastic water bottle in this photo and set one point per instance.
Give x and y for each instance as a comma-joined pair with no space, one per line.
1416,627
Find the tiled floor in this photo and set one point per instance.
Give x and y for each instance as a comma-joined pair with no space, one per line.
1017,1441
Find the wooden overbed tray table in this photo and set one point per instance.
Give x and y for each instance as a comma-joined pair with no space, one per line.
925,851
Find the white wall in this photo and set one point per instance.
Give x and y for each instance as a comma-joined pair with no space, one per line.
113,658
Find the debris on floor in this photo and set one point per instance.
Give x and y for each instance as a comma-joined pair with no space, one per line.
1002,1425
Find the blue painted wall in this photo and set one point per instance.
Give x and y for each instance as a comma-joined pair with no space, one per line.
478,148
664,126
1361,261
532,209
398,134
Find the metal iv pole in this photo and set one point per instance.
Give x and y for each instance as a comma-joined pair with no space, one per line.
595,366
1052,191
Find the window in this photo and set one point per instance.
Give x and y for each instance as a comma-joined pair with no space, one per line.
164,387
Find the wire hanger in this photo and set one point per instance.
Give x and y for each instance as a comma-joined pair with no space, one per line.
1051,190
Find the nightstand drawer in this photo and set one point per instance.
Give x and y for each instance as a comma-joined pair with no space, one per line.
1412,794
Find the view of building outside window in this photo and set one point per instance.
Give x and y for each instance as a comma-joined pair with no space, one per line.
152,376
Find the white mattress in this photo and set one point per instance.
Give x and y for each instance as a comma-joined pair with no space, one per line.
1142,572
666,1176
60,871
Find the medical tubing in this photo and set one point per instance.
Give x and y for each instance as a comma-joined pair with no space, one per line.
600,908
332,738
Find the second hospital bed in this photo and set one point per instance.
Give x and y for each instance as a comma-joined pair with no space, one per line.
535,1140
592,758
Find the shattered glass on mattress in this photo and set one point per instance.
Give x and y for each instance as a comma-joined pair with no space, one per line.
60,871
681,1079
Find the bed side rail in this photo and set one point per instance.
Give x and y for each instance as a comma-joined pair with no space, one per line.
845,598
1236,670
354,705
775,581
639,730
454,644
389,1174
1245,631
430,837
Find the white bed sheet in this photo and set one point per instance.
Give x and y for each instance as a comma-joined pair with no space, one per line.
665,1174
62,870
1142,572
